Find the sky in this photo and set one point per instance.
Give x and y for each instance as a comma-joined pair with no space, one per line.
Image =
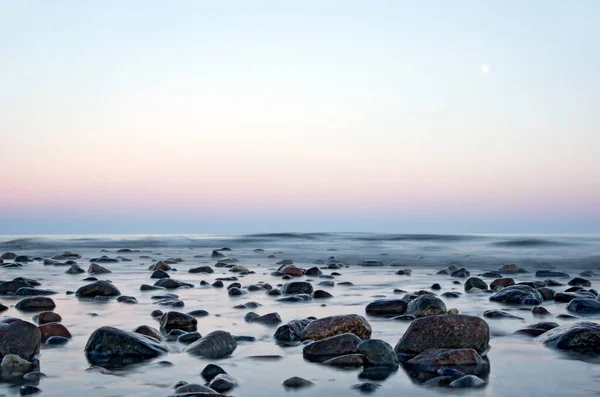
313,115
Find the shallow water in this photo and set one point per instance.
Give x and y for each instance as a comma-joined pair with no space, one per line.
519,366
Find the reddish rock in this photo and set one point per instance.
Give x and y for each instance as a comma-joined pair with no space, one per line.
501,283
336,325
54,329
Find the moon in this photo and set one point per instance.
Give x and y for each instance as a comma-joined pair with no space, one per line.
485,68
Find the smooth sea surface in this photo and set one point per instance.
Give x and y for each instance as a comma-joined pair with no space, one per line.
519,366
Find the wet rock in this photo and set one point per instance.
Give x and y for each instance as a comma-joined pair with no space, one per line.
47,317
97,269
27,390
474,282
501,283
553,283
240,269
235,291
53,329
291,270
587,273
217,344
198,313
537,329
35,303
12,286
540,311
387,307
210,371
467,381
97,288
267,319
378,373
445,332
146,287
194,389
313,272
189,337
462,273
550,273
109,344
297,287
404,272
57,340
222,383
509,269
295,298
518,294
170,283
160,265
296,383
547,293
499,314
426,305
533,284
75,269
378,352
127,299
202,269
158,274
348,361
320,294
584,306
371,263
448,270
291,331
451,295
104,259
336,325
564,297
218,284
434,359
436,287
148,331
366,387
33,376
580,282
13,366
582,337
9,256
328,348
492,274
176,320
27,291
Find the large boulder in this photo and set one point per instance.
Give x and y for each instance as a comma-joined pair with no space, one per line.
378,352
118,347
97,288
583,336
328,348
53,329
426,305
584,306
297,287
518,294
445,332
475,282
217,344
336,325
20,338
291,331
386,307
35,304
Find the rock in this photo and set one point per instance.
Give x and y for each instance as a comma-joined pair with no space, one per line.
540,311
127,299
378,352
499,314
9,255
195,389
582,336
378,373
210,371
267,319
218,284
47,317
75,269
97,269
235,291
467,381
291,331
348,361
518,294
366,387
160,265
320,294
14,366
537,329
217,344
492,274
222,383
35,303
148,331
501,283
202,269
580,282
371,263
158,274
386,307
53,329
451,295
564,297
170,283
436,287
336,325
448,270
296,383
109,344
445,332
404,272
433,359
313,272
291,270
426,305
12,286
57,340
97,288
474,282
28,291
176,320
189,337
297,287
550,273
584,305
33,376
547,293
328,348
27,390
553,283
462,272
239,269
198,313
509,269
295,298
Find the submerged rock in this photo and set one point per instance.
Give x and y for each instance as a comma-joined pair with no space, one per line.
336,325
500,314
445,332
119,347
335,346
217,344
296,383
348,361
518,294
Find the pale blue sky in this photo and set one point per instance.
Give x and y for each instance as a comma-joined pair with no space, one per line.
217,116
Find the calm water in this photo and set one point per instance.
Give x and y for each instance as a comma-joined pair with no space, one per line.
519,366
